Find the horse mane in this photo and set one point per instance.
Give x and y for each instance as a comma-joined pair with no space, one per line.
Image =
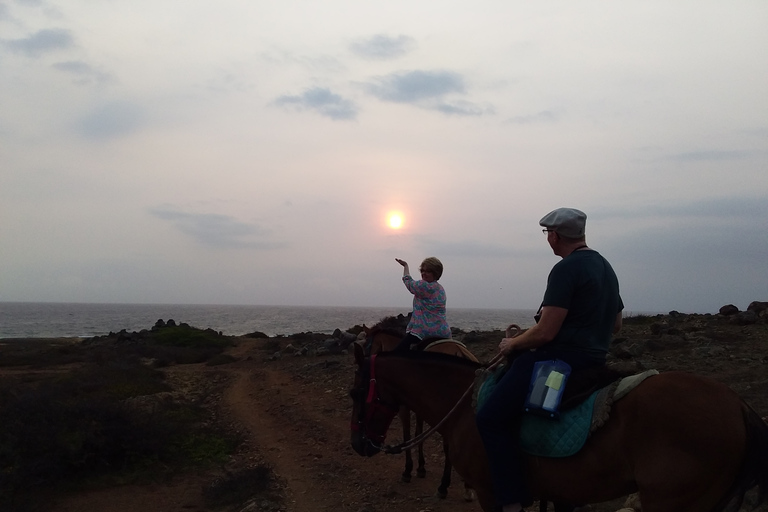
392,325
385,329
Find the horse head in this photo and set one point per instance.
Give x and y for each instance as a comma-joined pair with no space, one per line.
371,415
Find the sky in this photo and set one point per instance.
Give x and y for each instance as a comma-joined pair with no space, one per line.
252,151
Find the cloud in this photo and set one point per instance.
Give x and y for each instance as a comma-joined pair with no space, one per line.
216,230
323,101
43,41
83,72
708,156
741,210
383,47
425,89
467,248
416,86
460,108
545,116
112,120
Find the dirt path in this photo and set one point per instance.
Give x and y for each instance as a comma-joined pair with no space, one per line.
294,415
297,412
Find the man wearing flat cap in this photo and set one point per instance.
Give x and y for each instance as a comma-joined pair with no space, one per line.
580,313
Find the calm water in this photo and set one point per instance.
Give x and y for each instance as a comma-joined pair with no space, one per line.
53,320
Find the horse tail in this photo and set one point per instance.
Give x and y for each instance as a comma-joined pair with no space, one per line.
754,468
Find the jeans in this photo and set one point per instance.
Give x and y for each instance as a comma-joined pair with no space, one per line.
498,421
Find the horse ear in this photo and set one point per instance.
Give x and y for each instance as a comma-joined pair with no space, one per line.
366,329
359,355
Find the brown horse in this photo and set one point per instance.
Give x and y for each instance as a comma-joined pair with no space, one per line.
684,442
382,339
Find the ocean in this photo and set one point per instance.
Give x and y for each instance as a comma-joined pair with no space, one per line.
62,320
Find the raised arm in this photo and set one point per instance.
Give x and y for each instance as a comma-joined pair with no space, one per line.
406,271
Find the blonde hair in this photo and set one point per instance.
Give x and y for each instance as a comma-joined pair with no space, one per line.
433,265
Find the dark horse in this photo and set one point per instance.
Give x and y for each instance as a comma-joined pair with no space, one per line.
380,338
684,442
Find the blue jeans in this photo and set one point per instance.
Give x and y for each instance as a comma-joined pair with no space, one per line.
498,421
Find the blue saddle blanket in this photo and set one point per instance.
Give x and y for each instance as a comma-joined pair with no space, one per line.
546,437
563,437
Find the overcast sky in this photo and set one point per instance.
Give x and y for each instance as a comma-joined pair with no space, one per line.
251,151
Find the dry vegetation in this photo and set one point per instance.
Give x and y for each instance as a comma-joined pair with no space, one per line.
182,419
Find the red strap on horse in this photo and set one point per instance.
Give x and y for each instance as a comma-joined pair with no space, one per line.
372,386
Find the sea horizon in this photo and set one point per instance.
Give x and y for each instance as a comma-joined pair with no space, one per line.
83,319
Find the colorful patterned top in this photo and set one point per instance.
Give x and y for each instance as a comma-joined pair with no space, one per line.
428,318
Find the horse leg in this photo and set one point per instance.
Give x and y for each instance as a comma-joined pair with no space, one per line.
421,472
445,481
405,420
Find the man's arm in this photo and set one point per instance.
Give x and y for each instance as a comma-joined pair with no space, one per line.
617,324
551,320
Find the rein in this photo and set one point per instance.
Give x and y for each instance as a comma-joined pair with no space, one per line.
493,363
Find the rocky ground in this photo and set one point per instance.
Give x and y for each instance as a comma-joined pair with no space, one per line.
288,397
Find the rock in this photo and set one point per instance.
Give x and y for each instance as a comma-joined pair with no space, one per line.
622,352
729,310
759,308
744,318
344,337
633,502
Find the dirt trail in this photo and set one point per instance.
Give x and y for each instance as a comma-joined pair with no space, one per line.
294,415
297,412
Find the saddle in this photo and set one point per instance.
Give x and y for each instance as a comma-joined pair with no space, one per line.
445,346
585,407
423,344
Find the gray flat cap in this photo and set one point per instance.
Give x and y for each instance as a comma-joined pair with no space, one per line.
568,222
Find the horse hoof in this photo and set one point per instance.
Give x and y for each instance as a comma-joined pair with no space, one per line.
421,473
405,478
441,494
469,496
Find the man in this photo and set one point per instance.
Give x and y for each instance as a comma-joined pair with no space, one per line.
580,312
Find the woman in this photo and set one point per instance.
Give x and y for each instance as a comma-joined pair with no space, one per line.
428,317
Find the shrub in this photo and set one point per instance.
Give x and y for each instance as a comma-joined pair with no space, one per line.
101,421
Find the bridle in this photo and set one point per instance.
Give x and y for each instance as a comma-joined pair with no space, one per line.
386,412
375,410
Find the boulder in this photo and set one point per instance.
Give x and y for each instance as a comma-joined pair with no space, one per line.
729,310
759,308
744,318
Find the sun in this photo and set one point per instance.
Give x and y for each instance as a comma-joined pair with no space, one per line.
395,220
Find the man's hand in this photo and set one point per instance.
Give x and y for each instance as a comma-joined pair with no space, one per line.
506,346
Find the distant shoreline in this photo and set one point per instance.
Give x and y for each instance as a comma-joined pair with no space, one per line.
75,320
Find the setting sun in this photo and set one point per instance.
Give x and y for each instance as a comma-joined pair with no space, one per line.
395,220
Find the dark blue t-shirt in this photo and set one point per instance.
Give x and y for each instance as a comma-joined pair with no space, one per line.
585,284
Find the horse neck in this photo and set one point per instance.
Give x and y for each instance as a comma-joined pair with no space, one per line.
430,387
383,342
